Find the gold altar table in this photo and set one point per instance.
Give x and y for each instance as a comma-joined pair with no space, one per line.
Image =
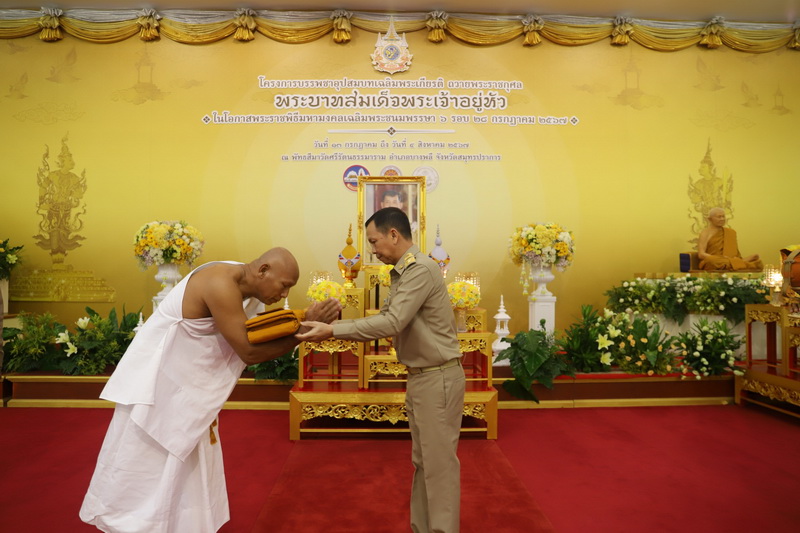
350,387
772,382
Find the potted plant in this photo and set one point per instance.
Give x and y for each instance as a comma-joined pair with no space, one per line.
582,340
283,368
708,349
534,357
33,345
44,344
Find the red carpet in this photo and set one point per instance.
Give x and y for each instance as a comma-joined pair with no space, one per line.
721,469
706,469
352,486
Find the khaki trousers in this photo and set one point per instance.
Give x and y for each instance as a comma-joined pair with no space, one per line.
435,403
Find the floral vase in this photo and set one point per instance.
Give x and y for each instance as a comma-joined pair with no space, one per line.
4,292
461,320
542,275
168,276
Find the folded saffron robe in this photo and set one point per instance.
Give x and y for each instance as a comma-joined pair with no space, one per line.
724,250
160,468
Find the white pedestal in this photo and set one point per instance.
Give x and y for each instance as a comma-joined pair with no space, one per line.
168,275
542,307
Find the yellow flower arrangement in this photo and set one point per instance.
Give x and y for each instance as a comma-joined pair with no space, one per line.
463,295
159,243
542,245
322,290
384,275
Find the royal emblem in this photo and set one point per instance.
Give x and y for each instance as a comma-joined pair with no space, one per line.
391,52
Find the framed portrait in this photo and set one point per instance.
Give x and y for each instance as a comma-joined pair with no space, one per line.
404,192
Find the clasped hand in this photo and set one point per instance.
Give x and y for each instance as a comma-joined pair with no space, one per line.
317,325
326,311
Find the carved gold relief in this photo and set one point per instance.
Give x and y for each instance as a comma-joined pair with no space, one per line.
794,340
61,207
333,346
707,191
392,413
374,413
763,316
352,300
474,323
372,281
475,410
386,368
472,345
773,392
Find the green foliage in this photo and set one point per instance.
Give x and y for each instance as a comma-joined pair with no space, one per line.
579,342
534,357
98,342
33,347
9,258
727,297
44,344
677,297
644,349
283,368
708,349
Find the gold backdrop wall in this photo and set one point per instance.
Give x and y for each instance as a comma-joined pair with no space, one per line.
132,115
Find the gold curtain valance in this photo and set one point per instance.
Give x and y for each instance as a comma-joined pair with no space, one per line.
296,27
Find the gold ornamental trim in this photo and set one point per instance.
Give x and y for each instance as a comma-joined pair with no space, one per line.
386,368
393,413
472,345
333,346
794,340
352,300
474,323
763,316
372,280
475,410
771,391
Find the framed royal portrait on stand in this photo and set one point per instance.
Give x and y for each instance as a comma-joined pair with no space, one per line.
404,192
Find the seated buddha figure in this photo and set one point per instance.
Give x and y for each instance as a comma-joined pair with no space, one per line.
717,248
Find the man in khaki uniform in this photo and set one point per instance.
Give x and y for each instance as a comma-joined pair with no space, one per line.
419,315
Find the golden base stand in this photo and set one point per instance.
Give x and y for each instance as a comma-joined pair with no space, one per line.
359,387
772,382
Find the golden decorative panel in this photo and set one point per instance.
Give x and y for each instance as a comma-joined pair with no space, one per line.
763,316
386,368
773,392
60,285
393,413
375,413
472,345
333,346
475,410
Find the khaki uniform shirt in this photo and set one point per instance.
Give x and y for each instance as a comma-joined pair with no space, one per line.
418,314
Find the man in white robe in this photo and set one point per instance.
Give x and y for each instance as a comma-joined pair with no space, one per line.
160,467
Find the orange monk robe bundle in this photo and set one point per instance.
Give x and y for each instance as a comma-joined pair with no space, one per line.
271,325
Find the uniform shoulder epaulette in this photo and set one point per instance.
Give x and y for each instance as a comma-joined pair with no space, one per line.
409,259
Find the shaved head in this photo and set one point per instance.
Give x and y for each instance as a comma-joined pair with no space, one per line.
279,258
715,211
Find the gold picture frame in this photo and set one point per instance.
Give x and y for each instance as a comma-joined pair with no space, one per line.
375,192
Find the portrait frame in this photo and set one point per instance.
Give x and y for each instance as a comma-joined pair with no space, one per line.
410,190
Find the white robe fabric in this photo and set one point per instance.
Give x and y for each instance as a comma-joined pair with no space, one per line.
158,470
